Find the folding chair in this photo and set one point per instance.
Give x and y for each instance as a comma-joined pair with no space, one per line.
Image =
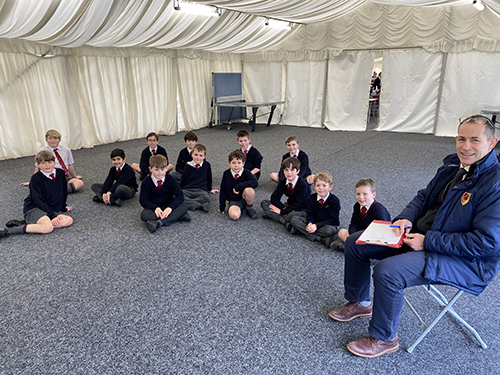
447,307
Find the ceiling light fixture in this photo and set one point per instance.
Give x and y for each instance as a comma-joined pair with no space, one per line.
478,4
195,8
278,24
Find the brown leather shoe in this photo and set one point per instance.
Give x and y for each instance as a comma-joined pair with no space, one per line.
351,311
370,347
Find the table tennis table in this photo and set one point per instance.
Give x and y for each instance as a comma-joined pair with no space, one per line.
238,102
494,111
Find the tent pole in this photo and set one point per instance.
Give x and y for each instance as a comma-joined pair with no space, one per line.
440,92
325,93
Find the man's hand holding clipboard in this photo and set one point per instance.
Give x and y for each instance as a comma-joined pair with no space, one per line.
414,240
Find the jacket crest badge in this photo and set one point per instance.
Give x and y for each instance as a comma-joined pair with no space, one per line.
465,198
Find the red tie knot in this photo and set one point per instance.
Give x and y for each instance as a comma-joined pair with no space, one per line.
197,166
363,211
158,184
236,176
246,152
153,152
321,202
53,176
118,171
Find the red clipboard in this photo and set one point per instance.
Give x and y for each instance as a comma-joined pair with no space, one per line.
379,233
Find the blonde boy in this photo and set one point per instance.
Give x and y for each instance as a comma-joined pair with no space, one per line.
63,160
321,220
365,210
46,201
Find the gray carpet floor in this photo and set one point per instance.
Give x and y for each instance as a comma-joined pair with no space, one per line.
213,296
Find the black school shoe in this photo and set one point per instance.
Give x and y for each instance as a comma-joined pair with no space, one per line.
152,225
185,217
15,223
252,214
116,202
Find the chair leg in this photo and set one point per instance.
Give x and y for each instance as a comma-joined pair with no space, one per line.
442,301
447,307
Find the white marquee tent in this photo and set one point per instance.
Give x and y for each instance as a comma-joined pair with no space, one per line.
107,70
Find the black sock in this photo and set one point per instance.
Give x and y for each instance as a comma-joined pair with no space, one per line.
17,230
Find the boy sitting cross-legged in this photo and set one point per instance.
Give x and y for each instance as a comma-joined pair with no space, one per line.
294,188
46,202
161,196
292,145
321,221
196,181
153,148
253,160
185,154
237,187
365,210
120,183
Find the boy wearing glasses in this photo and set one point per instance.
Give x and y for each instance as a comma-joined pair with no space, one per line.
152,149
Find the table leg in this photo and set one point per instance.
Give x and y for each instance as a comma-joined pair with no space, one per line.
273,107
254,117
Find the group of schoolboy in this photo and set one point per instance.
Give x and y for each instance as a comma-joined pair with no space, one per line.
166,194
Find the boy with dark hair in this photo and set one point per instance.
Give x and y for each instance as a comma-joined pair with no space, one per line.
292,144
64,161
253,157
185,155
237,187
321,221
196,181
119,185
294,188
365,210
152,149
161,196
46,201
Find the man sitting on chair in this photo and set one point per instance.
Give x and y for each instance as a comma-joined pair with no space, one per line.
452,232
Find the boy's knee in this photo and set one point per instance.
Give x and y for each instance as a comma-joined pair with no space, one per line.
343,234
46,228
295,220
350,243
248,193
234,212
233,215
